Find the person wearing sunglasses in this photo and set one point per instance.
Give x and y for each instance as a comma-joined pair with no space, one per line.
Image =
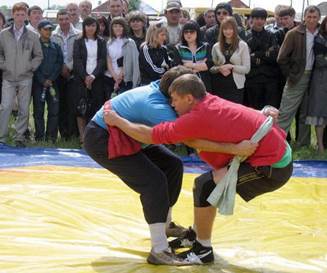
193,53
222,10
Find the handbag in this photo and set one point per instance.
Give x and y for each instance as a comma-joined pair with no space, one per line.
84,105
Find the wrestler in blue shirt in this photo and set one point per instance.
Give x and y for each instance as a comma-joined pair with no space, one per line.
145,104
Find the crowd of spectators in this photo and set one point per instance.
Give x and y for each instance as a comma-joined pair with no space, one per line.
75,66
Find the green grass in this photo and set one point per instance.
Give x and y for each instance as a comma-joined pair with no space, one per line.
304,153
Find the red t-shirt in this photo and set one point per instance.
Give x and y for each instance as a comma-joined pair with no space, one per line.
219,120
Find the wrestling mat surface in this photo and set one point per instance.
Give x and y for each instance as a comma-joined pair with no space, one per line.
61,213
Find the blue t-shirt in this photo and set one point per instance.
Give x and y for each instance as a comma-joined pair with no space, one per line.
145,105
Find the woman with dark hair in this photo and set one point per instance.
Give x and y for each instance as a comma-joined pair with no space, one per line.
153,59
122,59
317,112
193,53
103,28
137,22
232,61
89,65
2,24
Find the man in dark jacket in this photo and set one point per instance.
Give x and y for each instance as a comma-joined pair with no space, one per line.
296,60
45,87
210,20
222,10
262,82
286,22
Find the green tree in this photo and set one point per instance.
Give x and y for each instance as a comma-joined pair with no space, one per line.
134,5
4,8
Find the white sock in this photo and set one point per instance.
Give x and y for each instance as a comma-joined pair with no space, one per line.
158,237
206,243
194,228
169,217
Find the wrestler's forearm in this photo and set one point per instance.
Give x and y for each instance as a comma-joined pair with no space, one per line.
139,132
244,148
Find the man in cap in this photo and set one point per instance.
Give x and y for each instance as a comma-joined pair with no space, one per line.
173,14
261,85
44,85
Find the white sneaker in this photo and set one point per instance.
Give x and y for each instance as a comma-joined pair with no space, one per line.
166,258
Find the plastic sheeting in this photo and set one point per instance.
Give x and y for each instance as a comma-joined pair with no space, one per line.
82,220
17,157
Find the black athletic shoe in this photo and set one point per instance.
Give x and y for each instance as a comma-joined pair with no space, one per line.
174,230
198,254
186,240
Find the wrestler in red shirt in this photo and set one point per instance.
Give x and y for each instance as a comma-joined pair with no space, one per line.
210,117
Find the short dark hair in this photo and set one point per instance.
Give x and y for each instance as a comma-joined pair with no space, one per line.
191,25
90,21
33,8
189,84
118,21
171,75
208,11
62,12
287,11
311,9
259,13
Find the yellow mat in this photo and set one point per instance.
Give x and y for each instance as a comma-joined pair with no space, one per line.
82,220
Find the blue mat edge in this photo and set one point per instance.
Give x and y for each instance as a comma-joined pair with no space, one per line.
35,156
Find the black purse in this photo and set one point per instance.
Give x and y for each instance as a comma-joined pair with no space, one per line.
84,105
